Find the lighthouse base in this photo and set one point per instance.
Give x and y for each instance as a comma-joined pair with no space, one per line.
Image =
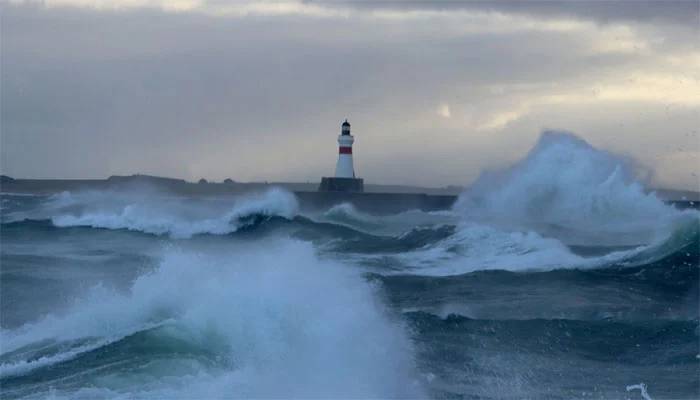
341,185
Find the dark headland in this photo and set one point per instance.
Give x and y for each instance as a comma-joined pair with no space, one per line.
380,199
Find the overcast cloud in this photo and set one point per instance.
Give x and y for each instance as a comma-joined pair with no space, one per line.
436,92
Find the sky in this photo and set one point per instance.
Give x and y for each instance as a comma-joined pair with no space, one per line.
436,92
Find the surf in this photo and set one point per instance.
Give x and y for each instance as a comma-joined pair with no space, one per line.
245,321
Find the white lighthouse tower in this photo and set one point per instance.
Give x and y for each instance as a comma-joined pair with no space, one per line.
344,179
344,167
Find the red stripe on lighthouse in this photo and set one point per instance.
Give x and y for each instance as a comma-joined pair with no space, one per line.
345,150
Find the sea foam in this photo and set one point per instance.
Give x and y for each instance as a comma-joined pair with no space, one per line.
270,320
566,188
157,214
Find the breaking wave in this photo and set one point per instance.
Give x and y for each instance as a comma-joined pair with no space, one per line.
161,215
241,323
565,205
347,214
568,189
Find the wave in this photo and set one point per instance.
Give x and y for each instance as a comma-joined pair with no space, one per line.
470,247
665,288
474,247
387,225
156,214
347,214
266,320
430,250
566,205
566,188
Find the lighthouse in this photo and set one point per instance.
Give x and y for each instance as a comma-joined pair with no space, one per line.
344,179
344,167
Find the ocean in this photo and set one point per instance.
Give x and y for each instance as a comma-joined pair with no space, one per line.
558,277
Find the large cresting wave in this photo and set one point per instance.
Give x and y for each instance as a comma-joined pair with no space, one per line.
156,213
261,320
568,189
565,205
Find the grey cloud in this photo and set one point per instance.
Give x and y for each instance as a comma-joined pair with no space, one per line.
685,12
87,92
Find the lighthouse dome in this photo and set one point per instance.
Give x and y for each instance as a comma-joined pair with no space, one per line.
346,123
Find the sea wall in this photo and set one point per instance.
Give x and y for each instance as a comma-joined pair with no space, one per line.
376,203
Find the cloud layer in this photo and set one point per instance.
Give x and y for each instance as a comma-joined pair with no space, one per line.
436,92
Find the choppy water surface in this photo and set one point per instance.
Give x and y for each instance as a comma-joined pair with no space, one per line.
557,278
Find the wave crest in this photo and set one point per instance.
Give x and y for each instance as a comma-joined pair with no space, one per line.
261,320
568,189
176,217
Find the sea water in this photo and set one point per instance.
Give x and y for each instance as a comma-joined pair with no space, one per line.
558,277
